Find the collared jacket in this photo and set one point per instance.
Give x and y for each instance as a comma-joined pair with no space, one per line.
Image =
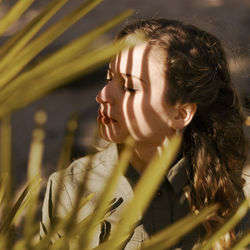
168,205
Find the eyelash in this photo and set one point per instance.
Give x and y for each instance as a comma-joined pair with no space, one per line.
130,90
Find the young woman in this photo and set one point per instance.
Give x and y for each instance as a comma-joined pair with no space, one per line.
177,81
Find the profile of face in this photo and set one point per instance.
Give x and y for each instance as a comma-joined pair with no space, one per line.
133,102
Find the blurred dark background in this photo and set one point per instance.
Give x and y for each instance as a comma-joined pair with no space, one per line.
229,20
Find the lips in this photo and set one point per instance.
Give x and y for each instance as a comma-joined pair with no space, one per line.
104,118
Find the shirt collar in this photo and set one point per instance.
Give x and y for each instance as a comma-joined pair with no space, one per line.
177,175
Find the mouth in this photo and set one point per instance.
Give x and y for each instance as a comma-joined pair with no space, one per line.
103,118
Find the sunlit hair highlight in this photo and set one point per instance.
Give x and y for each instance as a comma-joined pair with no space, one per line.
214,142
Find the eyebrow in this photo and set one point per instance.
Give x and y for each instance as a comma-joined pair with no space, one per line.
127,75
133,76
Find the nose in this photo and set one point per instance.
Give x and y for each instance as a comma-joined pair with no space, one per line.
105,95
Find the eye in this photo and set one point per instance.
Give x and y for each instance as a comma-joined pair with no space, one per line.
130,90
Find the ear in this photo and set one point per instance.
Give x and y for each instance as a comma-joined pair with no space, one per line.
183,115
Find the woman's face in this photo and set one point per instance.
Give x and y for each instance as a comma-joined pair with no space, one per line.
133,101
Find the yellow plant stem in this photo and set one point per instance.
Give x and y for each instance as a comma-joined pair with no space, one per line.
6,173
65,154
106,196
3,186
14,45
64,73
6,170
59,59
38,44
34,166
227,226
151,179
242,243
172,234
12,15
62,224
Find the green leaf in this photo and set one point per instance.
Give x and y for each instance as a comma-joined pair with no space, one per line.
37,146
172,234
19,206
3,186
227,226
12,15
63,224
65,154
151,179
75,48
107,193
31,226
34,166
20,245
26,198
66,58
57,76
6,146
38,44
6,169
15,44
243,242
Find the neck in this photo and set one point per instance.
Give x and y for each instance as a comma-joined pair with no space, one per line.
143,154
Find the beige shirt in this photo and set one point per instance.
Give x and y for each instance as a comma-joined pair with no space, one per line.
98,168
168,205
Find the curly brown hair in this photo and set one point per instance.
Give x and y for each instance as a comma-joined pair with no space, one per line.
214,144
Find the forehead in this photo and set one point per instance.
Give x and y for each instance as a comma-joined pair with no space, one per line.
141,60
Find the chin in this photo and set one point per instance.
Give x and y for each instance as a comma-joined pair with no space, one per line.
114,137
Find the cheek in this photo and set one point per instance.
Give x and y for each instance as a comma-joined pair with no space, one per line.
137,116
144,116
160,108
128,110
115,133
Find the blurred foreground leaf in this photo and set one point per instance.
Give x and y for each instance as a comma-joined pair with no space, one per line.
61,225
105,197
65,154
243,243
59,68
20,87
34,173
227,226
16,43
172,234
13,14
151,179
6,149
20,205
42,41
3,185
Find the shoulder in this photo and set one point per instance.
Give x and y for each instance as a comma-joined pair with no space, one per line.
92,169
86,175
